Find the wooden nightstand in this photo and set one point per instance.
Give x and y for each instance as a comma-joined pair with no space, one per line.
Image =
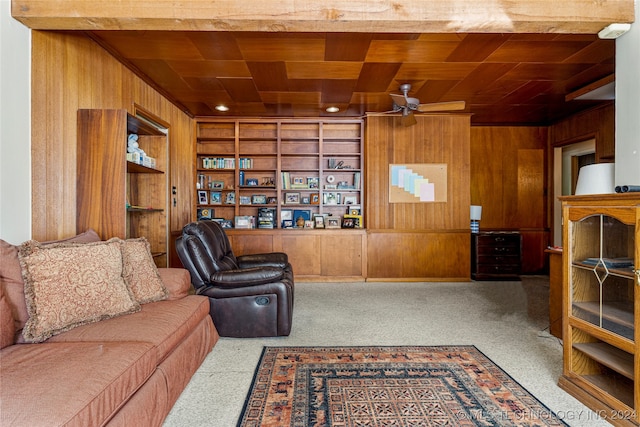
496,255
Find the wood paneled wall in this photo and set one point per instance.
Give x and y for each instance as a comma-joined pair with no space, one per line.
508,179
418,240
71,72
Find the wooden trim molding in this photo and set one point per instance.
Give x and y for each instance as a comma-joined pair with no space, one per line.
409,16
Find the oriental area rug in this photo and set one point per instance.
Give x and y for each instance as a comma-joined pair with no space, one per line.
387,386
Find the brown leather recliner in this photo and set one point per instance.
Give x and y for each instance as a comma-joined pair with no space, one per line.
249,295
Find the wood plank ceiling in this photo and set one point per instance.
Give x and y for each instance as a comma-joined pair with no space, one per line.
511,62
503,78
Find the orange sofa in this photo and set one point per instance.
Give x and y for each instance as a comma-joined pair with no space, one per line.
123,371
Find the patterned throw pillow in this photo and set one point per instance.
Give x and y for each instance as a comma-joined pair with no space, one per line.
69,285
140,272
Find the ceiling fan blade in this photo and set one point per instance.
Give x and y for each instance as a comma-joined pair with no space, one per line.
441,106
398,99
408,119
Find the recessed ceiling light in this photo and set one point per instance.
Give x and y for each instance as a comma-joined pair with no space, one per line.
332,109
222,108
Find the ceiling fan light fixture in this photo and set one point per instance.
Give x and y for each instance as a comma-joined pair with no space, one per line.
222,108
332,109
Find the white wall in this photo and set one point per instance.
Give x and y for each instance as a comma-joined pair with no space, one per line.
15,135
628,105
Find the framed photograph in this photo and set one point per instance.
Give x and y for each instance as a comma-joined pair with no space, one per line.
291,198
216,197
205,213
287,223
245,200
300,216
308,223
298,180
348,222
357,220
350,200
230,199
331,198
332,222
244,221
313,182
315,199
217,185
258,199
318,221
286,214
253,182
354,210
272,200
203,198
305,200
225,223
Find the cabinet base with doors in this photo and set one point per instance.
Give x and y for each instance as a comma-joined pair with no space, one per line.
117,197
601,358
291,185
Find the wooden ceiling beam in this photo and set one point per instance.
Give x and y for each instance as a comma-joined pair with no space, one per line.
370,16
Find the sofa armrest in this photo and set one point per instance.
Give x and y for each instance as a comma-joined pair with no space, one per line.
177,281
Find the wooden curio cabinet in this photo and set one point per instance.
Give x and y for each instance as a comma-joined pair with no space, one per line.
601,304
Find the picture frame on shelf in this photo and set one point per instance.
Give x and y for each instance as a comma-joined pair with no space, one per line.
348,222
313,182
272,200
350,200
225,223
258,199
357,220
286,215
245,200
203,198
319,221
287,223
291,198
308,223
315,199
331,198
305,200
354,210
217,185
230,198
205,213
243,221
298,180
216,197
333,222
251,182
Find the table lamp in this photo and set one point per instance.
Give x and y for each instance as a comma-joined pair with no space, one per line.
597,178
476,216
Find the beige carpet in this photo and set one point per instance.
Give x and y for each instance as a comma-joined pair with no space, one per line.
507,321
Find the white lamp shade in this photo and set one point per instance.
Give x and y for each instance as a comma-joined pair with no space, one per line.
476,212
598,178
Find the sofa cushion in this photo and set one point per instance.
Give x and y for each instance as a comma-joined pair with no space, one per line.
7,326
71,284
140,272
71,384
11,275
177,281
163,323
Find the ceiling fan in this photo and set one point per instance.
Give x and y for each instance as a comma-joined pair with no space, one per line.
408,105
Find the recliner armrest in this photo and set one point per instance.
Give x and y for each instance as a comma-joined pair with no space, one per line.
246,277
271,259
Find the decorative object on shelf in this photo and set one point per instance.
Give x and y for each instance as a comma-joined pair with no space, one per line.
331,198
475,212
230,199
350,200
331,179
357,220
266,218
354,210
300,216
627,188
252,182
597,178
241,176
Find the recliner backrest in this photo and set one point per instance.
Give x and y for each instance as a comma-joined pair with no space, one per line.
204,249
